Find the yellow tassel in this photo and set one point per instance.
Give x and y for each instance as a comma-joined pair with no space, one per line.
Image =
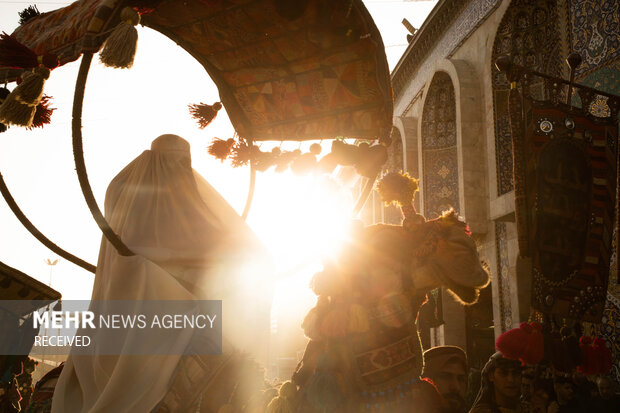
309,325
335,323
120,47
21,105
358,319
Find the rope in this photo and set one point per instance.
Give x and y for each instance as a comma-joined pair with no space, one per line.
36,233
80,166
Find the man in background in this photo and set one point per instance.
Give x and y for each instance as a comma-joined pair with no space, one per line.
607,401
565,398
500,387
446,367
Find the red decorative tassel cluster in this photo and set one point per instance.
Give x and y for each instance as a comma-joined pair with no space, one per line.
597,358
589,366
524,343
15,55
43,113
204,113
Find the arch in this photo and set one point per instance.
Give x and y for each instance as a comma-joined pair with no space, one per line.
439,151
396,153
469,142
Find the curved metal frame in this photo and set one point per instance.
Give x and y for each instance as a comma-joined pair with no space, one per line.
36,233
78,156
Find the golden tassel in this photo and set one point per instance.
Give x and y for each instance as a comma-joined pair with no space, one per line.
20,106
120,47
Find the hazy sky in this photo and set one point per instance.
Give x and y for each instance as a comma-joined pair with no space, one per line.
124,111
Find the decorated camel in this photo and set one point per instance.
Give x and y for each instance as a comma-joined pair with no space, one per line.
364,351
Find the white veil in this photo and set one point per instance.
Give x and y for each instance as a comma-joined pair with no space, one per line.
189,244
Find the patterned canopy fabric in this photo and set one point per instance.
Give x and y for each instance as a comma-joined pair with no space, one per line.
309,69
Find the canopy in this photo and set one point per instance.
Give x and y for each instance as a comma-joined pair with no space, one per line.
286,70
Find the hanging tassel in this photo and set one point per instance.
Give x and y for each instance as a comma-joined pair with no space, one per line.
119,48
43,113
398,189
304,164
27,14
221,148
328,163
20,106
603,355
242,153
284,159
335,323
311,322
15,55
358,319
590,362
4,92
204,113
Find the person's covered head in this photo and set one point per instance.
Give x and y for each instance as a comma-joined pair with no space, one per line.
564,389
605,387
447,367
500,382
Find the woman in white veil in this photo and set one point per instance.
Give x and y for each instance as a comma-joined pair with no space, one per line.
189,244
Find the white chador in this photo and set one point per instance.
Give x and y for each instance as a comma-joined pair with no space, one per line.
188,244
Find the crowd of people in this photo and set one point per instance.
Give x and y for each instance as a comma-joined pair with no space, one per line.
507,386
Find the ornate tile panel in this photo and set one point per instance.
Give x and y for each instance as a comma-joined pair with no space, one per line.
439,152
503,276
529,33
595,33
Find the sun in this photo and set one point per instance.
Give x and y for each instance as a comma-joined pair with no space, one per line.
301,220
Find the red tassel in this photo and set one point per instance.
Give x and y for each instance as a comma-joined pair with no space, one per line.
604,357
15,55
590,363
524,343
204,113
221,148
534,350
43,113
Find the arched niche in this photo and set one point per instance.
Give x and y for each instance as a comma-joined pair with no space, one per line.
462,152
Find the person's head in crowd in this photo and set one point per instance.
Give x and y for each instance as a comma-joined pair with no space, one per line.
541,394
447,367
605,387
500,384
564,390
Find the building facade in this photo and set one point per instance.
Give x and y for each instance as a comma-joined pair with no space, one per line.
451,130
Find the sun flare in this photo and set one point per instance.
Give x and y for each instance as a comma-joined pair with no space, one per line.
301,221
